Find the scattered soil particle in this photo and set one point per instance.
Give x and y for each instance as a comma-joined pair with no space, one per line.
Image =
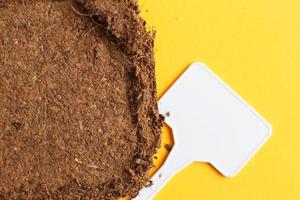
149,184
168,147
78,109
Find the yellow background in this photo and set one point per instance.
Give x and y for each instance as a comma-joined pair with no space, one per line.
254,46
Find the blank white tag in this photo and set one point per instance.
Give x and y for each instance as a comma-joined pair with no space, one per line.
210,123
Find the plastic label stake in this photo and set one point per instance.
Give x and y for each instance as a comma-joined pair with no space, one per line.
210,123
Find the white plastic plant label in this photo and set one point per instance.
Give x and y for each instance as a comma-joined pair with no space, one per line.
210,123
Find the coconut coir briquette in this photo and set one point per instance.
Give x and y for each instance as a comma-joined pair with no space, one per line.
78,109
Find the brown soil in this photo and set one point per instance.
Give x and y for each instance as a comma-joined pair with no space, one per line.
78,110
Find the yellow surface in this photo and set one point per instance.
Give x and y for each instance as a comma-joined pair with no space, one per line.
254,46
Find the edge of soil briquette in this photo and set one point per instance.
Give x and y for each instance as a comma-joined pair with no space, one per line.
126,28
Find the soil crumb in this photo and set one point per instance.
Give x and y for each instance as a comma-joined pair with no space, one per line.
168,147
78,102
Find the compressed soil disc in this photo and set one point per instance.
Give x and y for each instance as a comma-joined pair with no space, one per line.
78,109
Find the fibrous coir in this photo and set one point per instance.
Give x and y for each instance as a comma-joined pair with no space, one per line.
78,110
